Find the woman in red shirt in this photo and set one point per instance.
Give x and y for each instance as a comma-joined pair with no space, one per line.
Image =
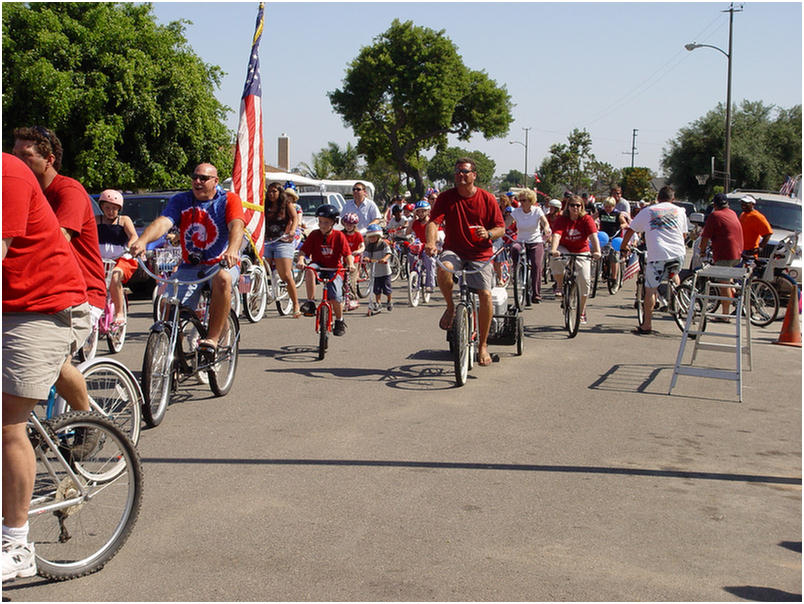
573,231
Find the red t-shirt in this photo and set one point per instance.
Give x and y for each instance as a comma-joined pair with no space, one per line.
575,233
723,229
354,238
459,213
326,253
70,203
40,271
419,229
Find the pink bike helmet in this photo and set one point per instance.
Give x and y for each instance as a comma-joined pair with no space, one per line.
350,218
113,197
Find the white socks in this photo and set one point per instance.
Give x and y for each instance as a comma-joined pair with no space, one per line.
18,535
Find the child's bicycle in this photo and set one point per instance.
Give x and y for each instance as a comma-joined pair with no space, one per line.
416,289
323,312
86,497
115,332
172,353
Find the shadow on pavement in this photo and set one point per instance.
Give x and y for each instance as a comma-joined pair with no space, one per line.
762,594
506,467
404,377
638,378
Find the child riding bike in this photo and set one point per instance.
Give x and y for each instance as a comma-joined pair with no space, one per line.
326,248
357,246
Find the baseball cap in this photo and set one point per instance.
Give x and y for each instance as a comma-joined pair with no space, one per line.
748,199
720,200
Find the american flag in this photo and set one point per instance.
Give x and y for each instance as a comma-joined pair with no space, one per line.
632,267
248,174
787,187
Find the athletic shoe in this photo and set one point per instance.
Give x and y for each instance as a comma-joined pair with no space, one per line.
583,318
308,308
339,328
18,560
353,305
389,307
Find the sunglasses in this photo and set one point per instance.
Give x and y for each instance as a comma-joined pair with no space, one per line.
357,189
201,177
463,171
574,205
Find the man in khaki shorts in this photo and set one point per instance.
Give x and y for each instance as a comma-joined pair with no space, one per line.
45,319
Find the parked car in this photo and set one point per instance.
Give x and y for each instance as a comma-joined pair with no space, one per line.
311,200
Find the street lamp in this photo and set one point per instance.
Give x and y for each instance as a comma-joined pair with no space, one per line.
525,144
690,47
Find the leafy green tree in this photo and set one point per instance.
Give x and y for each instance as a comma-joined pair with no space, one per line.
568,165
386,179
408,91
765,147
441,168
514,178
130,101
603,176
332,162
636,184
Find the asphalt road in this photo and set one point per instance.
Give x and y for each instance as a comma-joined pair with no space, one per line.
565,474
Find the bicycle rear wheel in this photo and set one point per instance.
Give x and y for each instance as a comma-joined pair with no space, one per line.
114,390
612,283
222,373
157,376
323,333
640,299
595,270
763,303
396,265
284,305
679,308
363,284
414,288
572,308
79,539
461,343
520,335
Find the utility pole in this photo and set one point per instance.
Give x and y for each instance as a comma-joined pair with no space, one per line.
525,175
633,151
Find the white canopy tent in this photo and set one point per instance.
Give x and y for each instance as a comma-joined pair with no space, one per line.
303,183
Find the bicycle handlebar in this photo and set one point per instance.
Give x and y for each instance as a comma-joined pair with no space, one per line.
172,280
335,272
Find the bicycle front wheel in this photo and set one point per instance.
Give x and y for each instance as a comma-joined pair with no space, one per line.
519,285
323,333
613,283
157,375
113,392
572,309
222,373
256,299
461,343
414,288
116,336
93,518
640,299
764,303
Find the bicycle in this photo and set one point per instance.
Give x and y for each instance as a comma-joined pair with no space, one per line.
417,291
323,312
165,261
522,280
259,288
86,499
115,332
571,293
611,257
113,393
675,299
171,351
462,335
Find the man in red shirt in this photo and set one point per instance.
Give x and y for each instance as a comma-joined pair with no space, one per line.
722,228
326,248
45,319
471,220
41,150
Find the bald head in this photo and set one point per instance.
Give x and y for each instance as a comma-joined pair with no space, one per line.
204,181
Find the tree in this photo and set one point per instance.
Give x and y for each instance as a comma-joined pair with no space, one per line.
567,166
441,168
408,91
636,184
130,101
604,176
765,147
332,162
514,178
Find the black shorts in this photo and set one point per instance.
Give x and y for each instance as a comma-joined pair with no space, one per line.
382,285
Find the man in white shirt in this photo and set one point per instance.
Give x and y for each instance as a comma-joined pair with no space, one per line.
621,203
664,225
366,210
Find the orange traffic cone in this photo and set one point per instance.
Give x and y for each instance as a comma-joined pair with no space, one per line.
791,328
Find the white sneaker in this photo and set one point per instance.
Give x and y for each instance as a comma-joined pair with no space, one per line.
18,560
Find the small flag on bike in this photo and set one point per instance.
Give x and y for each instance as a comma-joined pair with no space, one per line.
248,173
632,268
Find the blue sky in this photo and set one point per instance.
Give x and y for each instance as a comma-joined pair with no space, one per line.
606,67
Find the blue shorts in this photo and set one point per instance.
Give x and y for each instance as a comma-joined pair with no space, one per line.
279,249
334,287
382,285
189,295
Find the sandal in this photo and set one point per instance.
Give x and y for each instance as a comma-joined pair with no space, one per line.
118,323
297,313
643,332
